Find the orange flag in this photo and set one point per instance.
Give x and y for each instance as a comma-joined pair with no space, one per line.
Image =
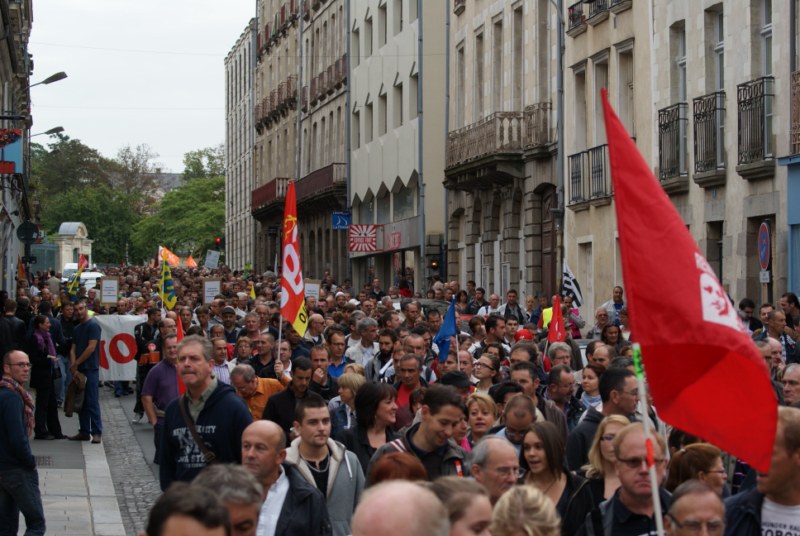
21,270
190,262
293,302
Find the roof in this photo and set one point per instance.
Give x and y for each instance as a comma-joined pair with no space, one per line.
73,228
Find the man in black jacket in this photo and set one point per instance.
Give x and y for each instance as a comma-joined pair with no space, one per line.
280,407
291,505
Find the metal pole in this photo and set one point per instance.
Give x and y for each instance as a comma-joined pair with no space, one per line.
348,131
444,269
299,135
420,126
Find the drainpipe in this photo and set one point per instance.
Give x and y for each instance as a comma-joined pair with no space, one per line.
420,125
347,129
252,133
445,261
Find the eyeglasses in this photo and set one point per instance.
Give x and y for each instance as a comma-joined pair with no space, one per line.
23,365
636,463
634,393
504,472
482,365
717,471
714,526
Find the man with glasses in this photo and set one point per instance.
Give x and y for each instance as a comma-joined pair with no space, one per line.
19,479
629,512
695,506
619,393
600,321
495,464
518,414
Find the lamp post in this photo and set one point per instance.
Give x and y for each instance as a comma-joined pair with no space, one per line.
61,75
52,131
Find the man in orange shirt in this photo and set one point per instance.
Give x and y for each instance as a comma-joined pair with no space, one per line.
256,391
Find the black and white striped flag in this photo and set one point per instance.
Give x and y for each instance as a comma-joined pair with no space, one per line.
569,285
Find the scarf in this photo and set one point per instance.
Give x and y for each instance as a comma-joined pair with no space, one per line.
45,342
10,383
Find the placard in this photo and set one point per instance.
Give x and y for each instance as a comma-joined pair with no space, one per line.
211,287
109,291
212,259
312,287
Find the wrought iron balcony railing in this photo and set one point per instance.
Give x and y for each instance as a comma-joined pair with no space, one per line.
754,101
672,131
709,132
589,175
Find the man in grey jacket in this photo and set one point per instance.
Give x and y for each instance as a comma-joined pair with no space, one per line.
325,463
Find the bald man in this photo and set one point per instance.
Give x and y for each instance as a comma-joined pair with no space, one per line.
398,503
291,505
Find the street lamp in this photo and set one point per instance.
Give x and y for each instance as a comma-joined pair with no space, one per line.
61,75
54,130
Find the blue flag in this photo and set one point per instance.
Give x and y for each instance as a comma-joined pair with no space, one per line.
447,330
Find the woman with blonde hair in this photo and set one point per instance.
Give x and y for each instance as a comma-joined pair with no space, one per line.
525,510
467,503
600,471
700,461
343,416
481,416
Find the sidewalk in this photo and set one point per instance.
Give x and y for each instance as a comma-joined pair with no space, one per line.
77,490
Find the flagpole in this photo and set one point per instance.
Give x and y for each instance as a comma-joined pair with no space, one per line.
651,465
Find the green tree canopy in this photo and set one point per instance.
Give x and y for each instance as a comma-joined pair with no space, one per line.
204,163
187,219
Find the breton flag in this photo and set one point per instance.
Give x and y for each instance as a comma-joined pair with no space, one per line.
556,331
293,300
166,287
75,280
569,285
695,348
448,330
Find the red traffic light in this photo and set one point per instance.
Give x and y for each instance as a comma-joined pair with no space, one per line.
217,240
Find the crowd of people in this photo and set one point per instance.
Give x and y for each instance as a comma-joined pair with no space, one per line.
359,426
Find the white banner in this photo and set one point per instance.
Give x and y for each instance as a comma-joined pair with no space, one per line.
118,346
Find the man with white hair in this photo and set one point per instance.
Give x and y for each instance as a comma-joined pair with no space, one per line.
398,503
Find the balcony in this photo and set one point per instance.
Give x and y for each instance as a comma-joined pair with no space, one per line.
672,131
500,132
589,178
459,6
618,6
709,139
537,129
598,12
795,110
754,102
576,20
271,193
322,181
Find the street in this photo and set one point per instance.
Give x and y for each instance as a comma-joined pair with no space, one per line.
104,489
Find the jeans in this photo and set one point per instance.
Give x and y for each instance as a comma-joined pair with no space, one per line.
89,417
61,384
19,492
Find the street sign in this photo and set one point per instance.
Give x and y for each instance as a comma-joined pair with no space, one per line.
28,231
341,221
763,276
763,246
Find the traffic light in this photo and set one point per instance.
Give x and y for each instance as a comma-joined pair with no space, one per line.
435,263
217,240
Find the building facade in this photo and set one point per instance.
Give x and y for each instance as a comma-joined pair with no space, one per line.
316,157
239,139
502,200
397,133
15,70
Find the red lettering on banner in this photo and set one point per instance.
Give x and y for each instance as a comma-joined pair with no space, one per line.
122,348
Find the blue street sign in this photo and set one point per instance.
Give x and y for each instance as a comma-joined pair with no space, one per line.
341,221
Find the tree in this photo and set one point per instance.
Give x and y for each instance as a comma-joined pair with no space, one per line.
108,215
135,170
187,218
204,163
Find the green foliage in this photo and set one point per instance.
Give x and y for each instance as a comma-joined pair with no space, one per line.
204,163
187,219
108,216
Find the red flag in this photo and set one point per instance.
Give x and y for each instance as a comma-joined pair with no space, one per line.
556,332
179,336
21,274
695,349
293,303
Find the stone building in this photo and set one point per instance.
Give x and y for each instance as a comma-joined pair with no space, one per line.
397,132
239,138
320,169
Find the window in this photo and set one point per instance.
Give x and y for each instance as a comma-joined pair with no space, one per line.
478,109
398,106
678,53
355,48
719,50
461,68
368,123
384,212
517,65
626,87
600,81
356,130
397,17
766,38
381,25
368,37
543,49
497,66
412,10
404,201
580,141
382,114
413,103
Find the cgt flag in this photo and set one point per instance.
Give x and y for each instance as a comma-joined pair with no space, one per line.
166,287
75,280
556,332
694,345
293,302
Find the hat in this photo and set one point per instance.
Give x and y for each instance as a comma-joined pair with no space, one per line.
456,378
354,302
228,310
340,293
523,334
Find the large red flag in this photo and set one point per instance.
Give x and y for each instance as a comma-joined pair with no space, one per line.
293,302
706,375
556,332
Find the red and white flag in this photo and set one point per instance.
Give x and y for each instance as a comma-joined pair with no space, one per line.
556,332
293,301
706,375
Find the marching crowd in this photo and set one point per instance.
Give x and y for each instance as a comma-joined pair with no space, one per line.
362,426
